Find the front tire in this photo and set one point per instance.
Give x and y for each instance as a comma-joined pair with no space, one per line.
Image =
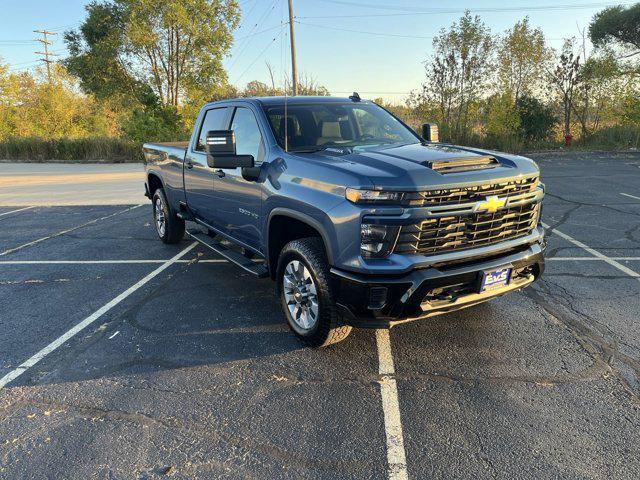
306,295
169,227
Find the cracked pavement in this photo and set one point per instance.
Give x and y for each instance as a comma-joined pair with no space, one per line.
195,375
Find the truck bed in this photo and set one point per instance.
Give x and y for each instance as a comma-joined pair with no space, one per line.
156,152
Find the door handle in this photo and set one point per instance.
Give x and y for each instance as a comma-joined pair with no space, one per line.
219,173
189,165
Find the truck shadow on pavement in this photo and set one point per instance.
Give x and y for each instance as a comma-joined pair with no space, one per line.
200,314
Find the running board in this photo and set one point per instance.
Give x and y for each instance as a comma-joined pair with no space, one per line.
184,213
240,260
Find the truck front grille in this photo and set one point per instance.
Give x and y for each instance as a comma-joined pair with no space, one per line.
469,194
459,232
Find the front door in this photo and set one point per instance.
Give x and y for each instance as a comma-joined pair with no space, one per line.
198,176
238,201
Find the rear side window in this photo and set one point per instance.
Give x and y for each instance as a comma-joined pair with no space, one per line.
213,120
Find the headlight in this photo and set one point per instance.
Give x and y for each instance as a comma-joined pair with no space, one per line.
372,196
377,240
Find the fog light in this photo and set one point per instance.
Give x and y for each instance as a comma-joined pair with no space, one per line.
377,240
377,297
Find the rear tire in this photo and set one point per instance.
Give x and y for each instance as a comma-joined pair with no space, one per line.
306,295
169,227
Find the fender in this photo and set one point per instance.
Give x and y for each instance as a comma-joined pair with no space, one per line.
303,217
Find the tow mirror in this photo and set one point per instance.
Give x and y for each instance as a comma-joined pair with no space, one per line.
430,132
221,151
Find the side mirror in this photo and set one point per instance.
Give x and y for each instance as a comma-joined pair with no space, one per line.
221,151
430,132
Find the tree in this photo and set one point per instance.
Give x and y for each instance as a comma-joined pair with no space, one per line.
169,49
502,116
617,25
179,44
459,71
565,78
32,107
521,58
95,55
536,119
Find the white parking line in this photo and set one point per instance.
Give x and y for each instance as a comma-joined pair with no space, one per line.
11,250
16,211
396,457
596,259
595,253
630,196
99,262
27,364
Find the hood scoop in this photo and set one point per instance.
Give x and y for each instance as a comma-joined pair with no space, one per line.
462,164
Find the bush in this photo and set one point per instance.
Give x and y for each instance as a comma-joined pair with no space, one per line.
155,123
97,149
616,137
537,121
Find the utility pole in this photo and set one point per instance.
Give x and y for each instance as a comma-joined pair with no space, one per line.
45,41
294,66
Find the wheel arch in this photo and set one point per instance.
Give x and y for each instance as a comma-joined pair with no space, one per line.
298,225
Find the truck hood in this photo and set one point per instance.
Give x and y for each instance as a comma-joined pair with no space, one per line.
408,167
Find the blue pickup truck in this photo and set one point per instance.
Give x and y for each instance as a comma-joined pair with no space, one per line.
360,221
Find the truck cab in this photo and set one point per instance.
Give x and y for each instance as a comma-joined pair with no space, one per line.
359,220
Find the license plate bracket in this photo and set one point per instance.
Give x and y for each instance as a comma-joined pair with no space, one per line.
495,278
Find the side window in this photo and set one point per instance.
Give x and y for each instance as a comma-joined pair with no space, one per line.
213,120
247,132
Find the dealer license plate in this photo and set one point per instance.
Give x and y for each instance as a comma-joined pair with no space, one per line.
493,279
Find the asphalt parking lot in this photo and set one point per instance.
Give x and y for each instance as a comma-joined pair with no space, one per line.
184,368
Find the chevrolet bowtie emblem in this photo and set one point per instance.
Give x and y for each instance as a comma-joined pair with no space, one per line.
491,204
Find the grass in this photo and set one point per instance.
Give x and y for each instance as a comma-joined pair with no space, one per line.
77,150
116,150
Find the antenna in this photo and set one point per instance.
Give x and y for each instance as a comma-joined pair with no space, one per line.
45,41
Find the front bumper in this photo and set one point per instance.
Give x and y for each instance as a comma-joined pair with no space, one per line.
372,301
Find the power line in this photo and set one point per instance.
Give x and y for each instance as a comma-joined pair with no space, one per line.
460,10
245,44
379,34
258,33
362,31
259,56
46,54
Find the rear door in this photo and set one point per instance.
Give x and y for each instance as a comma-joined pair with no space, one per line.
238,201
198,176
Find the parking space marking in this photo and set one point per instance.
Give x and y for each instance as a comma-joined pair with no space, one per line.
396,457
595,253
99,262
27,364
596,259
630,196
20,247
15,211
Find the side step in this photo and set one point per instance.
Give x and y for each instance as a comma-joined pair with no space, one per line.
240,260
184,213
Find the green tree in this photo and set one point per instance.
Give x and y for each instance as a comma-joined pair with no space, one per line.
178,45
138,49
617,25
536,119
522,56
502,120
95,54
459,72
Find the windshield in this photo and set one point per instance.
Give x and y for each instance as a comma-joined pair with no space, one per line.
322,125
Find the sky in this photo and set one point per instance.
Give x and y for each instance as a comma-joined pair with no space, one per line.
377,48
